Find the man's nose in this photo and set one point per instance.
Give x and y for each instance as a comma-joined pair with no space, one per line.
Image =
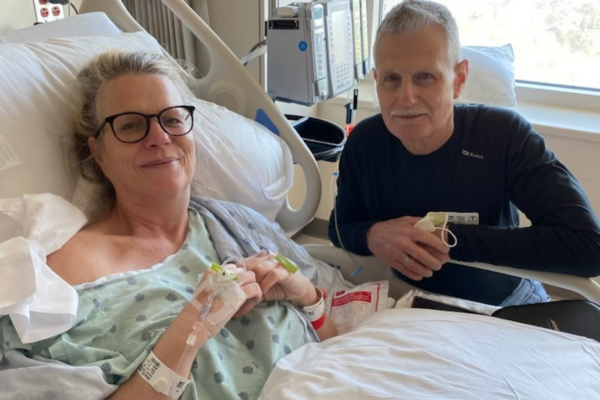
406,94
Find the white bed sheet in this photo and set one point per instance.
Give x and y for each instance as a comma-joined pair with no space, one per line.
427,354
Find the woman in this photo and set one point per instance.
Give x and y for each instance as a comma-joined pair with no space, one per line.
136,268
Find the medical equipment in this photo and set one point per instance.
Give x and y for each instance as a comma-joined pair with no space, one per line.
437,220
297,56
316,50
357,29
366,47
340,45
399,325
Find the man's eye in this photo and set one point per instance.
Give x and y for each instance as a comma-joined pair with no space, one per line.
424,77
390,80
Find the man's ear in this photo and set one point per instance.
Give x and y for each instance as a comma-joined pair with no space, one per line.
375,75
461,71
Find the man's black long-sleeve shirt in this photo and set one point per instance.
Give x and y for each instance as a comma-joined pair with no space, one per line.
493,164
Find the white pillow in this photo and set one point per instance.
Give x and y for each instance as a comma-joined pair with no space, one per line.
240,160
37,108
491,77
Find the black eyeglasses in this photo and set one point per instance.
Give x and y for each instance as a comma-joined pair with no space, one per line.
132,127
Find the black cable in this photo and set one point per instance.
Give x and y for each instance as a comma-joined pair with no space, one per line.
75,8
256,46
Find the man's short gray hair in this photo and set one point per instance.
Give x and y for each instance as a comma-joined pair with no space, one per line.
413,15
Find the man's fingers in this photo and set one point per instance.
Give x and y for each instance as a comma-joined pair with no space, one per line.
431,239
443,257
408,273
422,257
416,269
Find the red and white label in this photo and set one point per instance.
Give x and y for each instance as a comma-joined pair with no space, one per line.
349,307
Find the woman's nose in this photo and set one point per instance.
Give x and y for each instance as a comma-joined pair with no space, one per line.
156,134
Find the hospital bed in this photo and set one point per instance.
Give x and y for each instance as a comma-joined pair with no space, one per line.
394,354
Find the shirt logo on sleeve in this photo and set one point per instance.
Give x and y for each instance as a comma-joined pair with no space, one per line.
471,154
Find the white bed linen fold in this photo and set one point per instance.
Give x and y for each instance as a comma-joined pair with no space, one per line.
39,303
430,354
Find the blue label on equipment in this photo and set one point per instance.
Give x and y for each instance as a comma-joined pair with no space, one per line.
303,45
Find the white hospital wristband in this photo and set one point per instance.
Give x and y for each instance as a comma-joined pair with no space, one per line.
162,378
316,312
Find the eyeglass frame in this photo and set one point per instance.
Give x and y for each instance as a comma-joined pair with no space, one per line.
109,120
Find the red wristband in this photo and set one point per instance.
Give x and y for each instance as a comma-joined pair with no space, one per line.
316,312
319,323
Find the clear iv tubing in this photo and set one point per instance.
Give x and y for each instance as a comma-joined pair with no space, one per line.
191,339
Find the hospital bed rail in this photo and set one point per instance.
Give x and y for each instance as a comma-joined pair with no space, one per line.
375,270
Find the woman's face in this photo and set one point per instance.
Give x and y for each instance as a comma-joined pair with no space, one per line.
160,164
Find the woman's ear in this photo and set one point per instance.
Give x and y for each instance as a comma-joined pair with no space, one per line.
462,71
95,150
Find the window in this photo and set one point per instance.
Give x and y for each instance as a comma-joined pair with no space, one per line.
556,42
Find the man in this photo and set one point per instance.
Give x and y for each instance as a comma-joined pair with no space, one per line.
423,154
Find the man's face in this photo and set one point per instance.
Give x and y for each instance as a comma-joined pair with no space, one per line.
416,86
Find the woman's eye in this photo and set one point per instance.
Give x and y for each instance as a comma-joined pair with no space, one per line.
172,121
127,127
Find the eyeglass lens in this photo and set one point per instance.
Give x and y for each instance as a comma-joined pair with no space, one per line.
132,127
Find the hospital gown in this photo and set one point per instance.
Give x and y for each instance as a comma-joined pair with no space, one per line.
122,316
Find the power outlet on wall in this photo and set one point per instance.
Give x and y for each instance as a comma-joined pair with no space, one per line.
45,11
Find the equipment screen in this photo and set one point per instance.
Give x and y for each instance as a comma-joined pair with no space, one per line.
341,40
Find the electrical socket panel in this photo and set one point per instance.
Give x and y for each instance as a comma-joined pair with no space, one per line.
46,11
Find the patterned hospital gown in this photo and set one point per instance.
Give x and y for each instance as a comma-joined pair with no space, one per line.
122,316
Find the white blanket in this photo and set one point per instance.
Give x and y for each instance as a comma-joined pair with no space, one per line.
39,302
427,354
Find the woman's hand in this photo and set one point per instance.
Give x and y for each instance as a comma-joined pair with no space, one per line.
277,283
218,299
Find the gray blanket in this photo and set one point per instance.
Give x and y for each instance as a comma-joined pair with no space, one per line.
236,231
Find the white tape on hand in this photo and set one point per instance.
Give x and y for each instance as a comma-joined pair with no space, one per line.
228,298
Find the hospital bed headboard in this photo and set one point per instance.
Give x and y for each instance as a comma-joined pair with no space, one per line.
226,83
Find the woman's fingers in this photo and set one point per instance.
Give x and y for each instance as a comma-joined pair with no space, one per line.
253,297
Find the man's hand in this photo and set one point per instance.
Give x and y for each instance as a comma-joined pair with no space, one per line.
394,240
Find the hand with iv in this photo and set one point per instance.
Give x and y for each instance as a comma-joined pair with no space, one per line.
279,281
409,245
219,296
